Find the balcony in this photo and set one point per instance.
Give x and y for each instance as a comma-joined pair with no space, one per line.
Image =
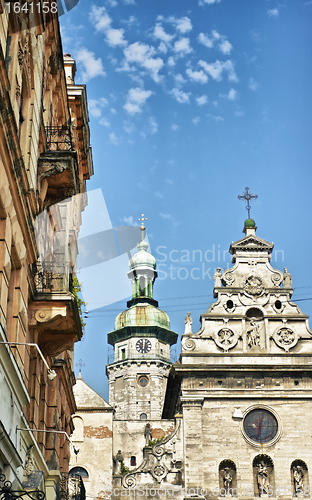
54,312
153,354
58,172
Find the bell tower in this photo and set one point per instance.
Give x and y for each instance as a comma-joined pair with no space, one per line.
141,340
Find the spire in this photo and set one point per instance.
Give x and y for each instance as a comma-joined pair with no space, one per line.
142,271
249,225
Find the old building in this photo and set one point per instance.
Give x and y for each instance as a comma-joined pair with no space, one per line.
45,160
236,407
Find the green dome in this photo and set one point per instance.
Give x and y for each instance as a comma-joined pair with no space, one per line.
142,259
142,315
250,223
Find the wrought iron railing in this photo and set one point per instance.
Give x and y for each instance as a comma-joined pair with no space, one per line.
71,488
51,278
59,139
134,354
7,493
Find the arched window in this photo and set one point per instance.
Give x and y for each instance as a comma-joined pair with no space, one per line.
79,471
299,479
78,432
133,461
143,416
227,479
263,474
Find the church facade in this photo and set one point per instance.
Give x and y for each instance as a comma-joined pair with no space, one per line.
232,417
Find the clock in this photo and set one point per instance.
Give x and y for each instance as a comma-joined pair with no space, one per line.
260,426
143,345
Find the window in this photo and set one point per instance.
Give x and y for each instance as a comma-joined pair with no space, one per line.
143,381
133,461
260,426
78,471
143,416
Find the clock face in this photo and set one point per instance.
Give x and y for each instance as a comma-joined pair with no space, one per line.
143,345
260,425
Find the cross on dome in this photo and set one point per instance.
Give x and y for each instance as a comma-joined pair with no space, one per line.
247,197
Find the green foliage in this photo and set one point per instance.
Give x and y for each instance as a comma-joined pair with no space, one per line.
154,441
75,290
124,469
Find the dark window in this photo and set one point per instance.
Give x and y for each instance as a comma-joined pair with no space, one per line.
133,461
143,416
143,381
123,353
260,425
78,471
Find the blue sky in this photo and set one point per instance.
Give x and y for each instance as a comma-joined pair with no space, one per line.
190,101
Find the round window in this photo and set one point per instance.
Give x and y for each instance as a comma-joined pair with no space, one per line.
260,426
143,381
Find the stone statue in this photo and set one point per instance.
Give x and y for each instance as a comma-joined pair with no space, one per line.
298,479
188,323
253,335
227,480
217,277
263,479
287,278
29,462
147,434
118,462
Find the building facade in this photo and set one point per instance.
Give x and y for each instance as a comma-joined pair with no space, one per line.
45,161
236,409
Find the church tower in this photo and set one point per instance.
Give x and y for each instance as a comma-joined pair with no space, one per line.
141,339
244,383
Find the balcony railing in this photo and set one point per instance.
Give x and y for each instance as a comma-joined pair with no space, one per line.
134,354
59,139
51,279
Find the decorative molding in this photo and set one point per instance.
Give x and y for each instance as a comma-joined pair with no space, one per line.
188,345
225,338
285,337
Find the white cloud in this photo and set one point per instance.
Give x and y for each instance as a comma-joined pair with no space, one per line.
216,69
273,12
196,120
163,48
182,46
171,61
96,105
180,96
197,76
105,122
179,80
141,54
136,99
209,2
153,125
184,24
129,2
253,85
129,128
225,47
92,67
100,19
113,110
216,118
160,33
175,127
128,220
115,37
208,42
113,138
232,95
203,99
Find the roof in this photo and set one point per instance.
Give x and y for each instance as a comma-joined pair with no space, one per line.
86,398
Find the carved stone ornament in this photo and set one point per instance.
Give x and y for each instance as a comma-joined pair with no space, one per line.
228,277
46,315
277,278
188,345
253,285
159,472
285,338
226,339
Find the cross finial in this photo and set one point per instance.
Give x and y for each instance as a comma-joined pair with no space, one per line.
80,364
142,227
247,197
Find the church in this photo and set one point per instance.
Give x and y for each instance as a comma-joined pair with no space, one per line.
231,418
